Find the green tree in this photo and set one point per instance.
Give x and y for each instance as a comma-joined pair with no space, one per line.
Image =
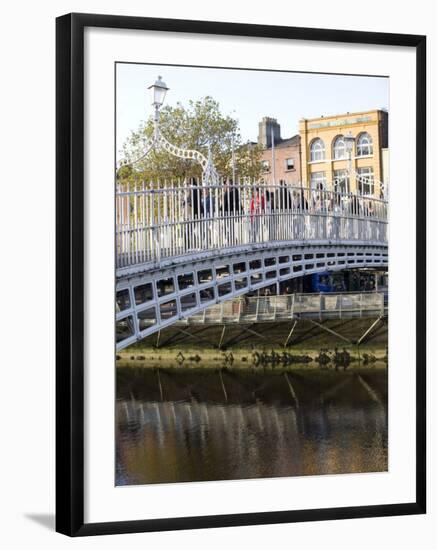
192,127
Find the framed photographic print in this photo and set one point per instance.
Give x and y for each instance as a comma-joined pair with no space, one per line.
240,274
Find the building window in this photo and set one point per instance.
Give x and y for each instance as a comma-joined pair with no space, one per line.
318,181
265,164
317,150
289,164
366,183
341,181
339,148
364,145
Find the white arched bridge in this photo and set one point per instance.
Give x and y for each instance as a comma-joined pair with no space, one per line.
183,246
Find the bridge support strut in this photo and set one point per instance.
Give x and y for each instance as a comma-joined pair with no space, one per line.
320,325
290,334
369,330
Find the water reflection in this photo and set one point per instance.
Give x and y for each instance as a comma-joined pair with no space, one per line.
338,425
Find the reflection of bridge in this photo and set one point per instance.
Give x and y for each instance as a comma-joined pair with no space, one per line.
182,248
310,413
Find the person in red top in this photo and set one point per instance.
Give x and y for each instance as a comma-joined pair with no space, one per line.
257,207
257,204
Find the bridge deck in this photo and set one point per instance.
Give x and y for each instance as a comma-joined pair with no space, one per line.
182,249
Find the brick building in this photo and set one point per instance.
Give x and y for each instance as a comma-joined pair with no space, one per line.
286,153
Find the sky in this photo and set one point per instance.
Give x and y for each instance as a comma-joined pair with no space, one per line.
246,95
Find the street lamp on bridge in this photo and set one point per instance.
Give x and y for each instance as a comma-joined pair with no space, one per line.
157,141
157,93
349,142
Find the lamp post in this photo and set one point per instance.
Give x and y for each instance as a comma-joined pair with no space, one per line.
273,156
349,141
233,157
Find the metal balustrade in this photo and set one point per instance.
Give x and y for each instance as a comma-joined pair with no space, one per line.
162,220
261,309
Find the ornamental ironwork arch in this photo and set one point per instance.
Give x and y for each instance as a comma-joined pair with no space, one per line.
158,141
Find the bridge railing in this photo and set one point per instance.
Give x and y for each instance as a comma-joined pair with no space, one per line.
167,219
258,309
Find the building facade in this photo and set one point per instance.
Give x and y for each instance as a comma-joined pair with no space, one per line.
326,161
282,162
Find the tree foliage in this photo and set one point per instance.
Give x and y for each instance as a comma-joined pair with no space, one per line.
193,127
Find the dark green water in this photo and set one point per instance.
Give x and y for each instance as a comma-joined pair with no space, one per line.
198,425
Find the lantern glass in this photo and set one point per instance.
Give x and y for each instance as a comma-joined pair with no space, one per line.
157,92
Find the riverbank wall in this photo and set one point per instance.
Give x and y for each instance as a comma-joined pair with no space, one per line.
305,344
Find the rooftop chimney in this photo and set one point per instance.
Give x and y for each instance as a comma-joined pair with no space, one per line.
265,128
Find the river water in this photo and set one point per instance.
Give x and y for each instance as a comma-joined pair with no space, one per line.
176,426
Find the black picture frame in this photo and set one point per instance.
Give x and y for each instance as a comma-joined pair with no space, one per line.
70,273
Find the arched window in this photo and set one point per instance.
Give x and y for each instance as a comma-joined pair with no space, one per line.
317,150
364,145
339,148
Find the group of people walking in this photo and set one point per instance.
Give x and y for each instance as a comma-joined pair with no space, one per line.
228,212
235,199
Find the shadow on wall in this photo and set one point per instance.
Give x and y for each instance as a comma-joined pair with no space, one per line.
46,520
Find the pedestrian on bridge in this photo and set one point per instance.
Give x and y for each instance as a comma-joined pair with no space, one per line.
208,203
193,202
300,204
231,198
271,211
208,211
257,208
231,211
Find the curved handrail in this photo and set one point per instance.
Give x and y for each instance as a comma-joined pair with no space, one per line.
166,219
